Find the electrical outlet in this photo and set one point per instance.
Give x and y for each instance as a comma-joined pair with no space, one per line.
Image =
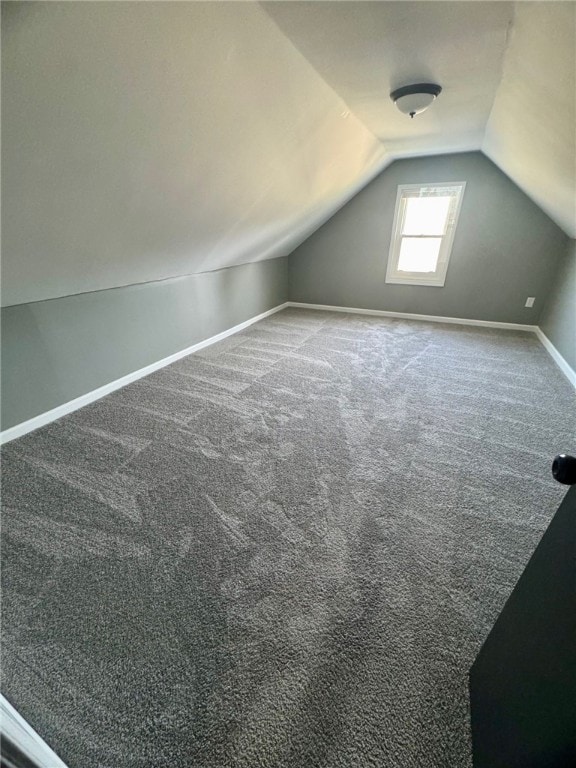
530,301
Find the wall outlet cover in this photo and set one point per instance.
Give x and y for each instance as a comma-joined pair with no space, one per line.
530,301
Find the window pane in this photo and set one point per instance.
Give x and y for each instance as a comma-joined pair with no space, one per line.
419,254
426,215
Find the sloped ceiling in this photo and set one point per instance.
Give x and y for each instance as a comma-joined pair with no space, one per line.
507,71
364,50
531,133
148,140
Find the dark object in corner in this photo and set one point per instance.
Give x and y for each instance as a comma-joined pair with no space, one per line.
564,469
12,757
523,682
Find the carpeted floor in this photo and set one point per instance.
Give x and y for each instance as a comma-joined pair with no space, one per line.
285,550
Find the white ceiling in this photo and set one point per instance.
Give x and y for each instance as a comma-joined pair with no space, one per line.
364,50
148,140
507,71
531,133
143,141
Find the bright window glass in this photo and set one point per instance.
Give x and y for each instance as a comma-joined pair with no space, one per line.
418,254
424,225
426,215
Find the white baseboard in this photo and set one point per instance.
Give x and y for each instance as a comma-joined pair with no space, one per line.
566,369
73,405
411,316
22,735
547,344
79,402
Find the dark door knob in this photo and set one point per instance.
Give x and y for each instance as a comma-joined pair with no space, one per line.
564,469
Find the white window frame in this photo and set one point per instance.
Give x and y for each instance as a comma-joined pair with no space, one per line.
438,277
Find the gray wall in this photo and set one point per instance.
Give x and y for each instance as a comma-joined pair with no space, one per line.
559,316
56,350
505,248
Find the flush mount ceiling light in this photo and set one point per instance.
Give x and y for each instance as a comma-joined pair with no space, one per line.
413,99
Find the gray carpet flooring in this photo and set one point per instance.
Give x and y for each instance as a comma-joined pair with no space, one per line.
285,550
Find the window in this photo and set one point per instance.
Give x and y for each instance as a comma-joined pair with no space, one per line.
423,231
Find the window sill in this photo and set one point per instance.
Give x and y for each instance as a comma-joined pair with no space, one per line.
438,283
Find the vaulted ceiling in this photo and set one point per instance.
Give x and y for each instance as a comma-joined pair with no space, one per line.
144,141
508,73
364,50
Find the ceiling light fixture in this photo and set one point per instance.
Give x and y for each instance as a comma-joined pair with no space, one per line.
414,99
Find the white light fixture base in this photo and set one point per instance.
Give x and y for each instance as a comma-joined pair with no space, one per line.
414,99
